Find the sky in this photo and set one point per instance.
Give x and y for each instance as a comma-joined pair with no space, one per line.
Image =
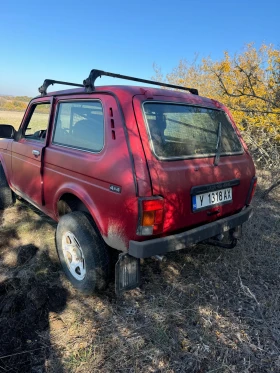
64,40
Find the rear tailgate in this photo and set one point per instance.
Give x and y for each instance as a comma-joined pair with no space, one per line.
196,191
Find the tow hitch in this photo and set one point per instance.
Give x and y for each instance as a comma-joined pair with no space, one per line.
228,240
127,273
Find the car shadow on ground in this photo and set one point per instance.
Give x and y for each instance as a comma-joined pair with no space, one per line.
30,290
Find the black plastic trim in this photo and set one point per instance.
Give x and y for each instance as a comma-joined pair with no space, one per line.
250,190
163,245
213,187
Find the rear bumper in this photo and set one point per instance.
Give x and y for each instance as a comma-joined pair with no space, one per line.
160,246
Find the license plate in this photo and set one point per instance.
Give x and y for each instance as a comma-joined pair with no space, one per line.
200,201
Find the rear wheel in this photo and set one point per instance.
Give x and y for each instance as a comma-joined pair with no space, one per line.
7,197
82,252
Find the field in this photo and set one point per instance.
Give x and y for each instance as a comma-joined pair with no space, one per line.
11,117
39,120
205,309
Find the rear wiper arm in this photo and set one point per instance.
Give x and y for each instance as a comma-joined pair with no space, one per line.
218,146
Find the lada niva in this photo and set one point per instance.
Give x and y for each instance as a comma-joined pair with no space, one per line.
141,170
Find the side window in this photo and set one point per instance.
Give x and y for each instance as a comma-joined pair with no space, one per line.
38,123
80,125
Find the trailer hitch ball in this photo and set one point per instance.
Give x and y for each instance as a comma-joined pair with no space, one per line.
220,237
160,258
237,232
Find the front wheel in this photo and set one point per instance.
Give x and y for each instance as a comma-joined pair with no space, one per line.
82,252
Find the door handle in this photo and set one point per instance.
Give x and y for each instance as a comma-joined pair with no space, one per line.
36,153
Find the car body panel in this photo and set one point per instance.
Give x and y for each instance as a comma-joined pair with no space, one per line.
174,179
89,176
110,182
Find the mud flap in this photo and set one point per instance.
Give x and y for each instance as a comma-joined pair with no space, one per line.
127,273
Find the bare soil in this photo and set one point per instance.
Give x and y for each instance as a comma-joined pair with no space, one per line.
206,309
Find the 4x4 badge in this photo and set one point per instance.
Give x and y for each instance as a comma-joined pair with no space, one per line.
115,188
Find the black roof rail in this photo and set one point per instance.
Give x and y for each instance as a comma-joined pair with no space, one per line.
48,82
89,83
94,74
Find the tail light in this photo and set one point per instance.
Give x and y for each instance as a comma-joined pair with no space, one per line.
252,190
151,214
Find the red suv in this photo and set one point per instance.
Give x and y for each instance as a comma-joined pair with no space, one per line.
144,171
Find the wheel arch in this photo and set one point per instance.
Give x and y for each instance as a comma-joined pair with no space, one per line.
69,199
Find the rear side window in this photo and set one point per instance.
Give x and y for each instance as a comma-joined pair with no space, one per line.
181,131
80,125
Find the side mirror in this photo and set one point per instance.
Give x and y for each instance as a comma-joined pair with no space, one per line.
7,131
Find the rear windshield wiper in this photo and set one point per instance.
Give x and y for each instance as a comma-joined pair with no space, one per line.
218,146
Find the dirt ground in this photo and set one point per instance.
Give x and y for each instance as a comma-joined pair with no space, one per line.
206,309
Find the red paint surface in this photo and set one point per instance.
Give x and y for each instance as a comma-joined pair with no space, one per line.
125,158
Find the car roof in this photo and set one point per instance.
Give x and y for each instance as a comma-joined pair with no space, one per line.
127,91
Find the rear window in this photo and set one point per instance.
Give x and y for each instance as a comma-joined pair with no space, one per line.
181,131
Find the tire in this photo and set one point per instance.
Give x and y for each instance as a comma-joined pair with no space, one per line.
82,252
7,197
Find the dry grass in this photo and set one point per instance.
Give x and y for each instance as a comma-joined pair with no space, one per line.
11,117
39,120
204,310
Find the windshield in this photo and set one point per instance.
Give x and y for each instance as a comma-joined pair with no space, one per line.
180,131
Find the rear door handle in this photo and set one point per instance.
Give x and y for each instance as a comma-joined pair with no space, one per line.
36,153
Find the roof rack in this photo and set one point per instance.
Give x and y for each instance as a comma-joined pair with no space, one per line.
94,74
48,82
89,83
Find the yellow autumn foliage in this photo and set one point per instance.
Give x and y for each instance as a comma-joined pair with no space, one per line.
248,83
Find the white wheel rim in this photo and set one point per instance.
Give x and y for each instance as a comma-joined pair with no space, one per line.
73,256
